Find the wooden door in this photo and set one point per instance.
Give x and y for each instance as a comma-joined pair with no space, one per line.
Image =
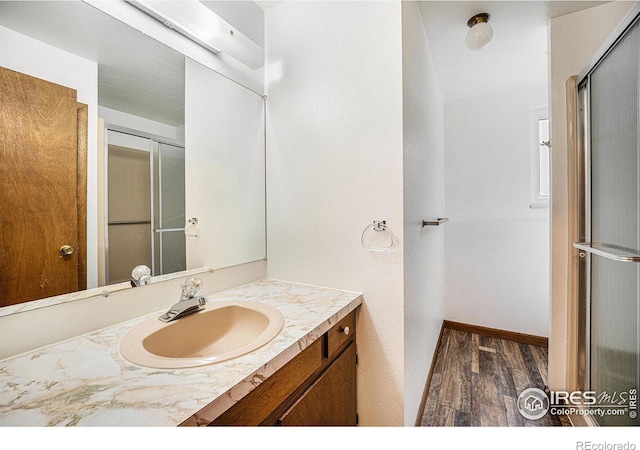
42,189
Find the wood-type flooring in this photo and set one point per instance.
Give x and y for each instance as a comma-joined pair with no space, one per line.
477,379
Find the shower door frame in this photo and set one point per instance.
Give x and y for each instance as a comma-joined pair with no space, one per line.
578,118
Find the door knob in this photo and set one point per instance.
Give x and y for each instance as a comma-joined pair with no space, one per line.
66,250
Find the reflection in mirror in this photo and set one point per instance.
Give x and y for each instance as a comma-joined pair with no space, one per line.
128,237
43,188
225,169
146,206
132,84
168,222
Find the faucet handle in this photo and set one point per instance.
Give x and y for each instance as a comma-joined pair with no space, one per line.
190,288
140,276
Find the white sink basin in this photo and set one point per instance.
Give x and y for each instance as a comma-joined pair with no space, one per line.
224,330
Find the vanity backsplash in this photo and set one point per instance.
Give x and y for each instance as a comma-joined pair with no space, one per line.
25,329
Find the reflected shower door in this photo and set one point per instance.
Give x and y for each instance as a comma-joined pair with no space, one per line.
146,206
128,237
169,249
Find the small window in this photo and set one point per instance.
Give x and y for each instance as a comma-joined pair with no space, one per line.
540,157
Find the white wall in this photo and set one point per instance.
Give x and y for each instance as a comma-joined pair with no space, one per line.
32,57
424,174
574,39
334,165
497,247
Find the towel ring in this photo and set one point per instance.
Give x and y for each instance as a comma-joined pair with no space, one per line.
371,232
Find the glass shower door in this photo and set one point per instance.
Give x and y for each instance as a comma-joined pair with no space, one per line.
613,232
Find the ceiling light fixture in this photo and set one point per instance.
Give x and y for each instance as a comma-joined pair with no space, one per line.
480,32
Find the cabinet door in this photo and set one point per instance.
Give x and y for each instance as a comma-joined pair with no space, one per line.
331,399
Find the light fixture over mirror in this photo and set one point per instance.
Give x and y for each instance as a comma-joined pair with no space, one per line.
480,32
198,23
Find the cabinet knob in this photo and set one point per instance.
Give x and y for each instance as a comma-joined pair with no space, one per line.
345,330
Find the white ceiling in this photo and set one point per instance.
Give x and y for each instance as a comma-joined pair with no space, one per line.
153,86
515,58
266,4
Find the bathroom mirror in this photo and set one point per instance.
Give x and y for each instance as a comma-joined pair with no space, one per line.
140,91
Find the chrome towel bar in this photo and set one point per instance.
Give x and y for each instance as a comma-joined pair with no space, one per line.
434,223
613,252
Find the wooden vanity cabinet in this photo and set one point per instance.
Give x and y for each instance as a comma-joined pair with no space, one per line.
317,387
331,399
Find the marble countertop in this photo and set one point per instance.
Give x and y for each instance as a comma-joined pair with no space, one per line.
86,382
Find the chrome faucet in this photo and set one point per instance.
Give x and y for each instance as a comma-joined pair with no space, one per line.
188,303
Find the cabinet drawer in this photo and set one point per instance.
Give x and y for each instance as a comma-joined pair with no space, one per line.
340,334
258,404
